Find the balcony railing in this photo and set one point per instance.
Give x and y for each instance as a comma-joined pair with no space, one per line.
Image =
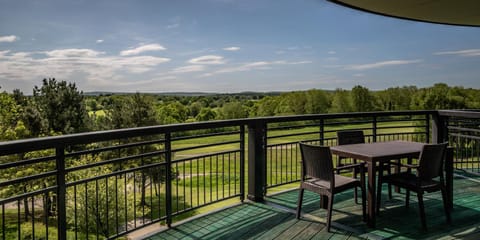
106,184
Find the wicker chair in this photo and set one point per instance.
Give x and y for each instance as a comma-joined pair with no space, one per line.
429,168
318,175
353,137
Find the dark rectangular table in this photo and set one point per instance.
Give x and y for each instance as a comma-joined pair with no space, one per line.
378,152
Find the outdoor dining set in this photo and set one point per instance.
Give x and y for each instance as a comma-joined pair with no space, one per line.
407,166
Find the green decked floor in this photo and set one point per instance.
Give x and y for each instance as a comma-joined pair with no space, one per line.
275,219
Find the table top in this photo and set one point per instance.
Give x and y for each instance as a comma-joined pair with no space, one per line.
379,151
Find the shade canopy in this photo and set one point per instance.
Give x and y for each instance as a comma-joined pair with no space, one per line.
453,12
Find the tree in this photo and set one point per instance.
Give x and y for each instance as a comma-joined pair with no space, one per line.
62,106
142,111
316,102
195,109
173,112
292,103
206,114
440,96
395,98
93,204
129,112
362,100
265,107
233,110
341,102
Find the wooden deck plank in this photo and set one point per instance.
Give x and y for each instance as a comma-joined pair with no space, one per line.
259,221
296,228
310,231
272,233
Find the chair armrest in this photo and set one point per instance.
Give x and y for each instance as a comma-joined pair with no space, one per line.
409,165
356,165
360,166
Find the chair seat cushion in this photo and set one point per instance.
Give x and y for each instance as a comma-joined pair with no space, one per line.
409,180
341,183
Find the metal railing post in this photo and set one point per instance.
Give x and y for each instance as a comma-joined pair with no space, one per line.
427,127
374,129
322,132
168,181
439,129
256,160
61,193
242,163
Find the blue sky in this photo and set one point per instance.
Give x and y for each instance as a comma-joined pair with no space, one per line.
226,46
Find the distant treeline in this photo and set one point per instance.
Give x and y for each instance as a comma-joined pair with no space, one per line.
58,107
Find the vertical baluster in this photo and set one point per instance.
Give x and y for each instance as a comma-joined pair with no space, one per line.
168,156
75,211
106,207
61,193
33,217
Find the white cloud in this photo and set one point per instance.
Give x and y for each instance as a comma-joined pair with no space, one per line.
73,52
332,52
259,65
463,53
141,49
96,68
231,48
11,38
171,26
207,59
187,69
381,64
99,41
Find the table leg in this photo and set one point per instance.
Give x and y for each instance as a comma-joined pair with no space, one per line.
449,177
371,198
397,170
324,201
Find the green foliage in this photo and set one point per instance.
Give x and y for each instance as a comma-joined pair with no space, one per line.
362,100
173,112
292,103
11,125
341,102
26,231
441,96
206,114
265,107
61,105
98,204
128,111
233,110
317,101
394,99
195,108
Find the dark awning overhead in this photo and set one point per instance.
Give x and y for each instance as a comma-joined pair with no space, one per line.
455,12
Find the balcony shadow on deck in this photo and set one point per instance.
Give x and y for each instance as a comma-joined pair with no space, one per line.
276,219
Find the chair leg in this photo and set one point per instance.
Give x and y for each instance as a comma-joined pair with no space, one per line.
355,195
329,212
339,163
379,196
364,203
445,205
407,198
355,174
299,202
389,171
421,208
